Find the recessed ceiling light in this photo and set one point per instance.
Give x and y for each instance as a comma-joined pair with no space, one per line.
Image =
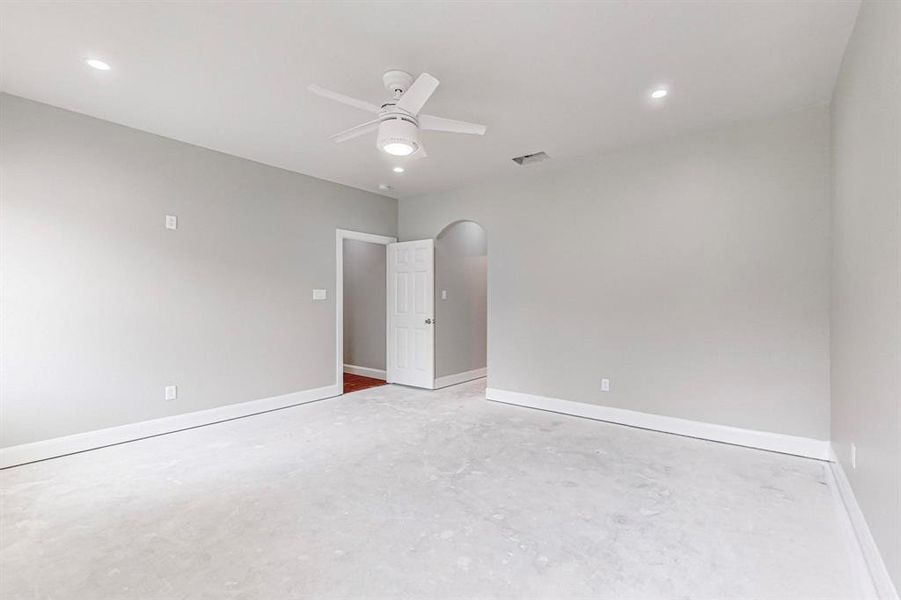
398,169
659,93
384,187
98,64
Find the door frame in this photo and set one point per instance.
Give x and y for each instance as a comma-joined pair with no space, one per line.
340,236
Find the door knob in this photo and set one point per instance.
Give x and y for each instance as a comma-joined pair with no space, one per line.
428,321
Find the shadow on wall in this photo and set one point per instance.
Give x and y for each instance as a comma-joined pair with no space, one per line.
461,305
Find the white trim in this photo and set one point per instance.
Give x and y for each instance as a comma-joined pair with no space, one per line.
764,440
90,440
463,377
364,371
885,589
340,236
858,566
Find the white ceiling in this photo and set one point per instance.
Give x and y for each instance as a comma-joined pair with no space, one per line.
566,78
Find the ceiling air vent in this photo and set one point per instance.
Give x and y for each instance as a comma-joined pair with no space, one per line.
529,159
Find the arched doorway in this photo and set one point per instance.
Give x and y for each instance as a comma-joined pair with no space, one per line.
461,303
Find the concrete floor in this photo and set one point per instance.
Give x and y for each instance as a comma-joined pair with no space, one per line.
399,493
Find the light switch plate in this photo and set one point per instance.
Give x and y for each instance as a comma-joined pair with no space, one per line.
444,294
319,295
171,222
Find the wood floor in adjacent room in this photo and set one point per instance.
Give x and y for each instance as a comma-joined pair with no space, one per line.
355,383
393,492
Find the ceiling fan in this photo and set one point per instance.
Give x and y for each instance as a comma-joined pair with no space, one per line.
399,120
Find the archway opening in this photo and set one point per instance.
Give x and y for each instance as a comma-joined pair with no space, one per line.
461,303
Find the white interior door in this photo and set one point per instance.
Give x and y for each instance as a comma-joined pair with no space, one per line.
411,313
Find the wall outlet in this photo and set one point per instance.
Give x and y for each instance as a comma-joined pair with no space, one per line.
605,385
853,456
171,392
171,222
319,295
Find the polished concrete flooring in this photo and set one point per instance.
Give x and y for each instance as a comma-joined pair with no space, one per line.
398,493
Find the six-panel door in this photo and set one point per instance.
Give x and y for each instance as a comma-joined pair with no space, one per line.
411,333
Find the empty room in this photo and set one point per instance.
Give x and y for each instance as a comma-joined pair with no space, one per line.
450,300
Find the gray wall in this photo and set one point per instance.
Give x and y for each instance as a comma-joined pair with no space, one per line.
866,283
461,269
102,306
365,304
692,272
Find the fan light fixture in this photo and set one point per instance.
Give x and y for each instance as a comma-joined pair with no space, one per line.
398,137
398,149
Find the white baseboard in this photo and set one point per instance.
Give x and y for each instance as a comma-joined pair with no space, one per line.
365,371
89,440
764,440
463,377
885,589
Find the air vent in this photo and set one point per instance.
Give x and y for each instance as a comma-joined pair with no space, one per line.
529,159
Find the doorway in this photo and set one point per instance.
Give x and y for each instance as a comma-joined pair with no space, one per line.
360,309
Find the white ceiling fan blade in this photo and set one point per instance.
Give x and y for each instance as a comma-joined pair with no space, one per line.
361,104
432,123
415,98
419,153
357,131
